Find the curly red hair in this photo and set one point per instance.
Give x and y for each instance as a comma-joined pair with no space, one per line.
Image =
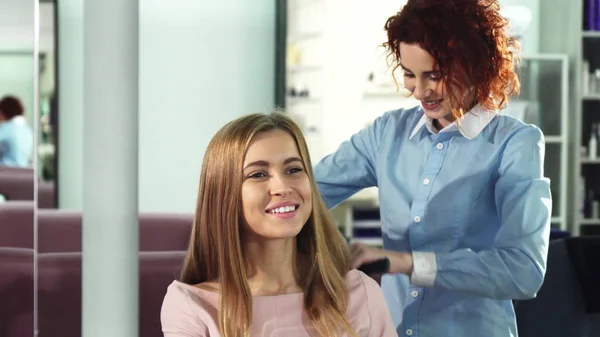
470,43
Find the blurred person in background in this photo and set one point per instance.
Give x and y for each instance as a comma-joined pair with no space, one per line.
16,137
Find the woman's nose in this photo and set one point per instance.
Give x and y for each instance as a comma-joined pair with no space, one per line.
279,185
421,90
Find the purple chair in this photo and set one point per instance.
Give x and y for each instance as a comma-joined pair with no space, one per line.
16,224
60,231
59,294
165,231
17,183
46,194
59,291
157,271
16,292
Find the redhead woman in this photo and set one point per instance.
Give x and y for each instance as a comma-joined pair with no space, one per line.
464,203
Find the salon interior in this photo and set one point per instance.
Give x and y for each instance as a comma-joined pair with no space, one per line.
129,143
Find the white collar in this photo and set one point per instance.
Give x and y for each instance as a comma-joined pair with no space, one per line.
18,120
469,125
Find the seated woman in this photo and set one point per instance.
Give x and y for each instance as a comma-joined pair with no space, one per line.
16,137
265,257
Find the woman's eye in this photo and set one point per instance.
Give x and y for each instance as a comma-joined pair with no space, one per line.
409,75
295,170
435,77
257,175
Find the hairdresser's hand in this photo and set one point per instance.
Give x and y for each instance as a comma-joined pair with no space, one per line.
361,254
399,262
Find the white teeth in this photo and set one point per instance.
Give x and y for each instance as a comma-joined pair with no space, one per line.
284,209
433,102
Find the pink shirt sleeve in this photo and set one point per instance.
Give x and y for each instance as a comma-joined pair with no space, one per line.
381,324
176,316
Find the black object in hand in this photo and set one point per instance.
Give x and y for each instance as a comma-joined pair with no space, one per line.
381,266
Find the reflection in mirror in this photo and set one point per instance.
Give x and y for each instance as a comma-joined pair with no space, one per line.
47,107
17,174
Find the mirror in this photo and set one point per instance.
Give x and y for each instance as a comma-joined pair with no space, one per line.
47,103
17,173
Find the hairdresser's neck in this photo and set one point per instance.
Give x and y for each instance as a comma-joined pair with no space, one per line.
274,265
441,123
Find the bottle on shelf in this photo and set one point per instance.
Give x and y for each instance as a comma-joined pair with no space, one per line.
593,143
590,203
298,90
596,80
586,77
582,197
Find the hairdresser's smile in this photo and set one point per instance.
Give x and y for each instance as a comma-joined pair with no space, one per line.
432,104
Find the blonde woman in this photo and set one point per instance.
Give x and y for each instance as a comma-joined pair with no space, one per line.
265,257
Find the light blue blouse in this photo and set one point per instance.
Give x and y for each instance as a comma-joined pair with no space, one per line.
470,203
16,142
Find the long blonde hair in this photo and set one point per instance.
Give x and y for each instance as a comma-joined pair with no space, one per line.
215,249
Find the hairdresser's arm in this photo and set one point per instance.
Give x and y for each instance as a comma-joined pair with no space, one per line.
352,167
514,267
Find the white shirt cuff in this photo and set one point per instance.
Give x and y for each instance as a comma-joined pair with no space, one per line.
424,269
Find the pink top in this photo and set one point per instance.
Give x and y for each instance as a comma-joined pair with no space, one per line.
192,312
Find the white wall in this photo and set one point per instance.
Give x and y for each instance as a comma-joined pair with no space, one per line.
531,40
16,25
353,51
202,63
70,97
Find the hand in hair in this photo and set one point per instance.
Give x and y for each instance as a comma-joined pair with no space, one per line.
361,254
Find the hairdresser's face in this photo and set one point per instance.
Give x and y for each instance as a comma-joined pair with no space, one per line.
424,81
276,192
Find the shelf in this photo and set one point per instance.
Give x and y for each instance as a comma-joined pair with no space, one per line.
590,161
298,37
389,92
301,68
368,241
553,139
364,224
555,219
544,57
591,33
589,222
591,97
302,100
382,93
